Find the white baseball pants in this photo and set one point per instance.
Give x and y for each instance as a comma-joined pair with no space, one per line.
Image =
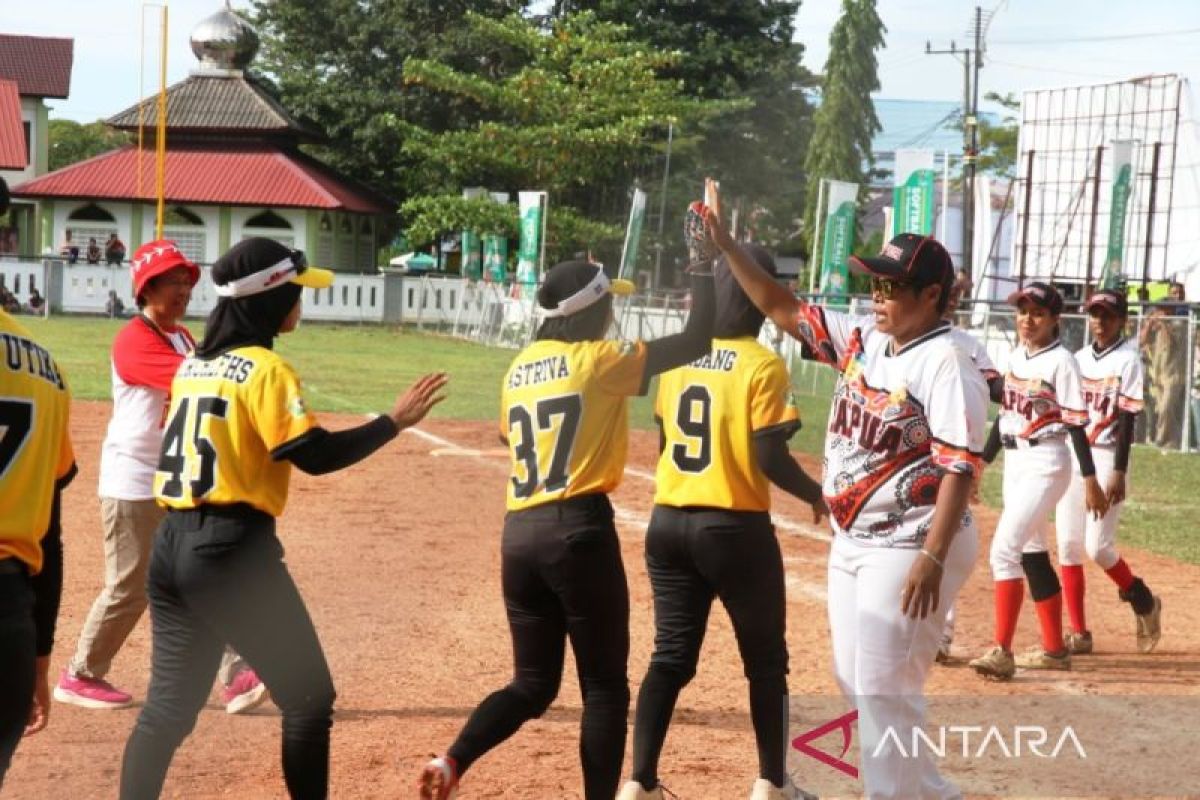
1078,532
1035,479
882,657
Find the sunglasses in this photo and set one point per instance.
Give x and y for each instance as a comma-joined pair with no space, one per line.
888,287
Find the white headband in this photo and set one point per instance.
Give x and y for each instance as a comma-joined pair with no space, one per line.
597,288
261,281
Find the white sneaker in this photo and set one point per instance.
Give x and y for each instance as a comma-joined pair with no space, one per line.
765,790
634,791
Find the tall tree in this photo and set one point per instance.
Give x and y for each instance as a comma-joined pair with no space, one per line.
998,140
732,49
582,112
845,122
71,141
339,63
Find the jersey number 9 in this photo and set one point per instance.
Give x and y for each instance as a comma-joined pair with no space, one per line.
179,457
694,420
524,441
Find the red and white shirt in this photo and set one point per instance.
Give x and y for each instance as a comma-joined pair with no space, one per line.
900,419
144,360
1112,383
1042,394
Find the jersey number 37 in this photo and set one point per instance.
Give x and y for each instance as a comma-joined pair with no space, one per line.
548,429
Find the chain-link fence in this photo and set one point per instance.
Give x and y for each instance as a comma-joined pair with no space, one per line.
1166,337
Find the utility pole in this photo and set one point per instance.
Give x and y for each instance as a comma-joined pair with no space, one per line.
972,61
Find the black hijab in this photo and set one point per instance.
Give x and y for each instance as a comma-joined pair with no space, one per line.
735,314
253,320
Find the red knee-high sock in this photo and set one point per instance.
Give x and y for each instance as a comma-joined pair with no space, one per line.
1009,594
1121,575
1049,613
1073,588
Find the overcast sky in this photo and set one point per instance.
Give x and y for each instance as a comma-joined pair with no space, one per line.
1031,44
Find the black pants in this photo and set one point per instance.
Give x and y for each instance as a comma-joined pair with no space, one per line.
18,657
217,575
694,555
563,577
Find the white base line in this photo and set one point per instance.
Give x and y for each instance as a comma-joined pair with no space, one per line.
640,521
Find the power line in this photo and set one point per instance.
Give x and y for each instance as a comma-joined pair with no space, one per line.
1044,68
1112,38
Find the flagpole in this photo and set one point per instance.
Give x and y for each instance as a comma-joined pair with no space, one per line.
814,263
160,172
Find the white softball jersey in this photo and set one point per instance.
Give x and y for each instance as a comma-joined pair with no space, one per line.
1111,383
975,351
144,360
900,419
1043,394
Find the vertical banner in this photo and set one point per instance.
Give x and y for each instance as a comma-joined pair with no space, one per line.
984,230
469,247
495,250
532,207
840,222
914,191
633,234
1122,188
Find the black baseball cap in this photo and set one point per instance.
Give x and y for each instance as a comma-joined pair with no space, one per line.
1111,299
1039,293
909,257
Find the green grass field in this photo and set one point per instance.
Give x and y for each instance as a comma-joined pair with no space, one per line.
349,368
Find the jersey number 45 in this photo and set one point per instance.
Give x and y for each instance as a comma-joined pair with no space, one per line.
193,455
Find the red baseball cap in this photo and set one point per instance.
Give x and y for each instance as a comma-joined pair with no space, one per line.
1039,293
1111,299
154,258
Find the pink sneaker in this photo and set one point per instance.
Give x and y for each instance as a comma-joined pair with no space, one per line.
246,692
89,692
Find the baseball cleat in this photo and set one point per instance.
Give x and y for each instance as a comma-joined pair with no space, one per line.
765,790
1149,627
1079,644
996,663
635,791
1037,658
439,779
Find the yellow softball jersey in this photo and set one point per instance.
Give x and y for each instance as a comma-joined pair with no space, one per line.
710,411
564,415
35,446
227,415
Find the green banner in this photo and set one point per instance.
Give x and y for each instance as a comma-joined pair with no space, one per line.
472,261
532,209
633,234
838,237
914,203
1122,187
495,256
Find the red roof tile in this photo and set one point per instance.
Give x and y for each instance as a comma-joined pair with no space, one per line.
40,66
215,174
12,132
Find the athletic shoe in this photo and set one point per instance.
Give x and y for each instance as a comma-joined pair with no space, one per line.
635,791
89,692
765,790
943,655
1037,658
246,692
1149,627
1080,644
996,663
439,779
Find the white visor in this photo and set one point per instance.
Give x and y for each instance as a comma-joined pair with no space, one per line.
596,288
284,271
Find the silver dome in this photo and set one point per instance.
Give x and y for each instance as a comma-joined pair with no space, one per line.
224,41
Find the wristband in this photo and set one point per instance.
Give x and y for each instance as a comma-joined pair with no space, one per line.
933,558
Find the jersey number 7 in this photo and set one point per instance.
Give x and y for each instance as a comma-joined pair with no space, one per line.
16,420
178,457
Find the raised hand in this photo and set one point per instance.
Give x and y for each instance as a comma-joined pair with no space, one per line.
412,406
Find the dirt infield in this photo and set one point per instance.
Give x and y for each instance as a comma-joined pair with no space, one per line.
398,559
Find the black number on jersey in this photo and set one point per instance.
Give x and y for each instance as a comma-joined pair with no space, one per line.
16,420
523,438
175,460
699,430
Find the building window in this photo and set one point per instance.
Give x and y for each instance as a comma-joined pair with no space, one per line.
366,246
268,219
269,225
90,222
91,213
185,227
324,254
28,142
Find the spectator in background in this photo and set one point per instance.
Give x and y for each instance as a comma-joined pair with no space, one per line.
114,250
1163,341
93,251
962,289
37,303
68,249
115,307
9,301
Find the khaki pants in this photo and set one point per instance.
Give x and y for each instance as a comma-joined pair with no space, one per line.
129,527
